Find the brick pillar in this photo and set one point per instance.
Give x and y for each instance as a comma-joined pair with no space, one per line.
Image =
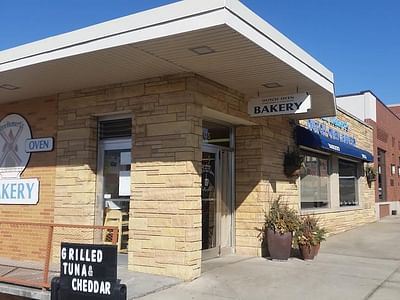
249,189
260,179
165,209
75,182
75,196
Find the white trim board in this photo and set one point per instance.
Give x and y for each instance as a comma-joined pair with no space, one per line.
176,18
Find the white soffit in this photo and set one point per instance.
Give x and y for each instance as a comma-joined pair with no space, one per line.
154,43
214,115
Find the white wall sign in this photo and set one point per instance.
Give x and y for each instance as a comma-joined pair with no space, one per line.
39,145
19,191
125,158
279,105
15,137
14,131
124,183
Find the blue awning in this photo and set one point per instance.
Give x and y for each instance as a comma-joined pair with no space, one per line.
310,139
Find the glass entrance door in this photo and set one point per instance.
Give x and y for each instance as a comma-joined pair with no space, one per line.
209,204
216,202
115,187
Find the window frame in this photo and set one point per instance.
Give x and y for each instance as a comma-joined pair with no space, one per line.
357,181
320,155
392,169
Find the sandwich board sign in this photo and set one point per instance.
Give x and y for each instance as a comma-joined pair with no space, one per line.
88,272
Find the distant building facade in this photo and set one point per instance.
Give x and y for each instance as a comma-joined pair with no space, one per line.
385,121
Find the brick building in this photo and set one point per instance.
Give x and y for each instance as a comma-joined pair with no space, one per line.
149,116
386,124
395,108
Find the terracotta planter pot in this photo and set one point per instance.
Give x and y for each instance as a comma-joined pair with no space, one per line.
316,249
279,245
307,252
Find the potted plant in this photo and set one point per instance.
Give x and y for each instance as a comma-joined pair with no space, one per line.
320,236
293,161
280,223
309,237
370,173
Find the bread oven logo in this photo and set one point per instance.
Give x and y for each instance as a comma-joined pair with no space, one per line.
14,131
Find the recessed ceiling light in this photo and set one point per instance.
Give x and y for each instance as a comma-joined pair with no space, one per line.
202,50
9,87
272,85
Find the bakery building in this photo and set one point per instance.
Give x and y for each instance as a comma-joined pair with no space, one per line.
174,120
385,121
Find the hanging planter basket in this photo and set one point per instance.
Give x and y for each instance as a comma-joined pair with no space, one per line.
370,173
292,163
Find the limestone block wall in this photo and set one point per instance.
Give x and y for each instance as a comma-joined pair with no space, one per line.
165,214
260,179
250,190
260,148
259,167
166,199
29,242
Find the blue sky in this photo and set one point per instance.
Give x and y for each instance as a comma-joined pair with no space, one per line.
358,40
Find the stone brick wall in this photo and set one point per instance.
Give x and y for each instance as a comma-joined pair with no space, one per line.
165,217
165,220
29,242
166,205
259,177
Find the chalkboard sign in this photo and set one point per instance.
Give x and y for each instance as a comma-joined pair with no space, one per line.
88,272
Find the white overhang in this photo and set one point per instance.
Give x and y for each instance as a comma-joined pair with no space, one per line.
246,53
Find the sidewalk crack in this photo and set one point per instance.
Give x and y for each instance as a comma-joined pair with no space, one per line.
381,284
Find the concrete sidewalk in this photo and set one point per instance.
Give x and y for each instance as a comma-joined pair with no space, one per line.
138,284
363,263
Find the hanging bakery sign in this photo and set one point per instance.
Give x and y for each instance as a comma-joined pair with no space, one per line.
279,105
16,146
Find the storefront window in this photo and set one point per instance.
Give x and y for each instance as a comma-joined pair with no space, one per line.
216,134
348,183
314,179
393,169
114,177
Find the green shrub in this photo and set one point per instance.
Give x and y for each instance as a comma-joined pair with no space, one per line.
281,218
